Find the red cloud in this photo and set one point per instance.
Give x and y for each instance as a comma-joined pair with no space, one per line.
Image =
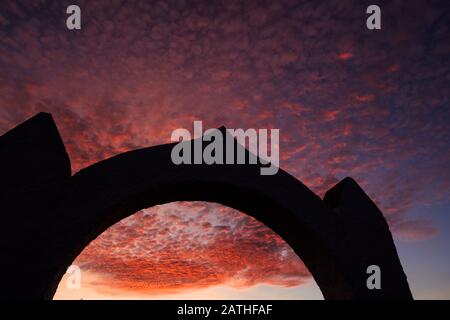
415,230
345,56
123,83
191,245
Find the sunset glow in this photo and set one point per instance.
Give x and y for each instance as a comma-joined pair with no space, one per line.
375,109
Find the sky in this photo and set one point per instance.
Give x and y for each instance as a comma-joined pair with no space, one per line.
370,104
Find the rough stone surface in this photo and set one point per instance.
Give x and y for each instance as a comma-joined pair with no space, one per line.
51,217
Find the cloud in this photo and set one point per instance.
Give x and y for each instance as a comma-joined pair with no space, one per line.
191,245
348,102
416,230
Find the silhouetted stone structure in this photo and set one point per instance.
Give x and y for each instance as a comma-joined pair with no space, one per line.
48,216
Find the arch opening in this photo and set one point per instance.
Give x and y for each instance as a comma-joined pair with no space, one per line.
199,250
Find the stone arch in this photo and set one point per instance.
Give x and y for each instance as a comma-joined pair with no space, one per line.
336,238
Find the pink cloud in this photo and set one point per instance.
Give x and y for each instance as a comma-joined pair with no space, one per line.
416,230
124,83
